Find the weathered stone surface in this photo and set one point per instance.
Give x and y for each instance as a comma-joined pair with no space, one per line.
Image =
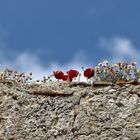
107,113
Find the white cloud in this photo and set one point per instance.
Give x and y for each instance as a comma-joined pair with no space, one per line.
120,49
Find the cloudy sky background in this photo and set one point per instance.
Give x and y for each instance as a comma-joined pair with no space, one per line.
42,36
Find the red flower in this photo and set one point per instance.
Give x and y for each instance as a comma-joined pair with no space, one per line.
58,74
72,73
89,72
66,78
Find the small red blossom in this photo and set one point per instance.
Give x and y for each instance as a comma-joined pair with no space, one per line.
66,78
72,73
89,72
58,74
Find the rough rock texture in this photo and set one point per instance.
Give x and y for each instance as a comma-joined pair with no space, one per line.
108,113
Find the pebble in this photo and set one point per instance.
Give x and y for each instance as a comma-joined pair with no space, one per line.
112,90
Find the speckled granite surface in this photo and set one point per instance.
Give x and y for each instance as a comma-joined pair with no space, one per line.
108,113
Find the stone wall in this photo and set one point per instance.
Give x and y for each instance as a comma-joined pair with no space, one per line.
105,113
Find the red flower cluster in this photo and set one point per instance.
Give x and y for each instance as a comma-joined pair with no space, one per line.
66,77
88,73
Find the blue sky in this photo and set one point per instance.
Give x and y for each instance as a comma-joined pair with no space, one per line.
44,35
